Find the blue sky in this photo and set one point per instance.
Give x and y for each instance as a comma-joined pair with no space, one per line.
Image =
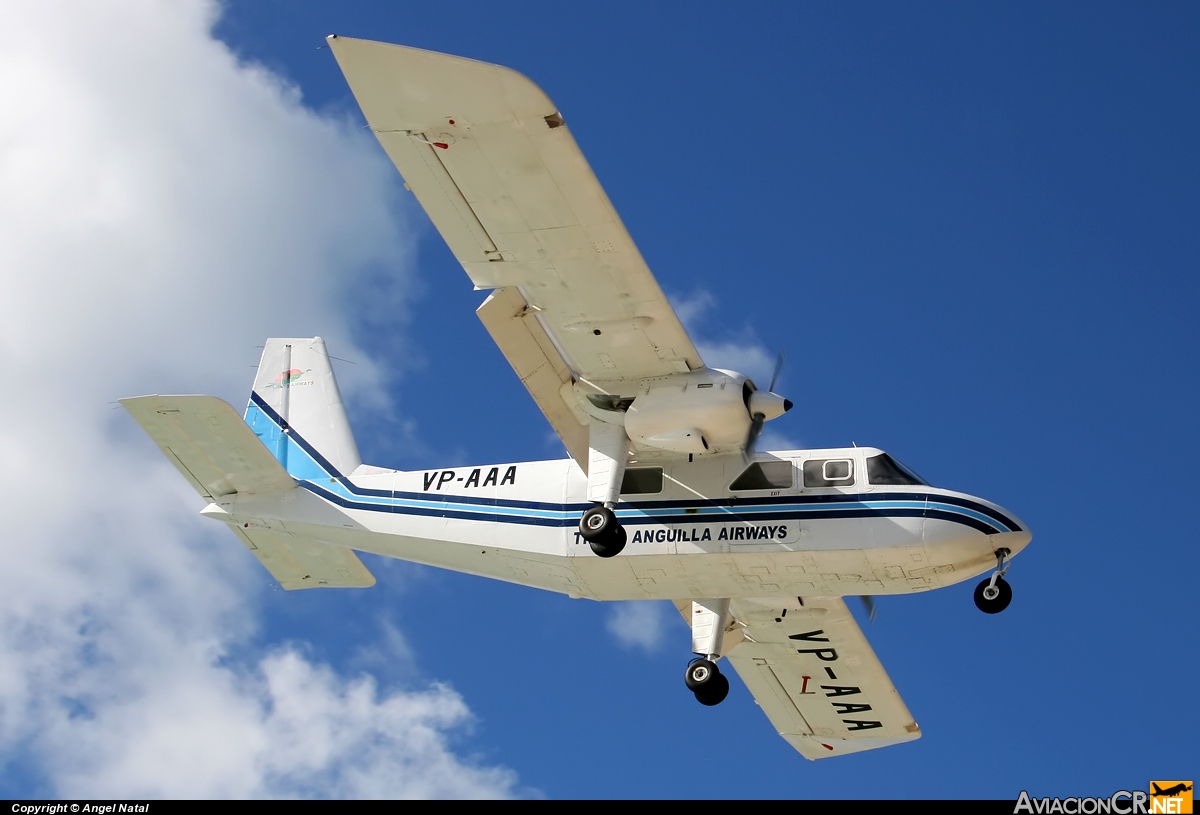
973,228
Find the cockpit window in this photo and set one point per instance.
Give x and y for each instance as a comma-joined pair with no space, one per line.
764,475
642,480
829,472
885,470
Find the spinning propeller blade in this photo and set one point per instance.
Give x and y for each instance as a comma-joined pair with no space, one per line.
869,604
778,368
756,428
758,420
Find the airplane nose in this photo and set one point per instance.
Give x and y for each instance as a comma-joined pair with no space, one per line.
787,405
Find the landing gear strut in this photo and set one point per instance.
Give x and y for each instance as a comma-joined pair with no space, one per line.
994,594
603,532
703,677
608,449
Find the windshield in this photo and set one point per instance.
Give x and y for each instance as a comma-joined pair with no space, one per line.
885,470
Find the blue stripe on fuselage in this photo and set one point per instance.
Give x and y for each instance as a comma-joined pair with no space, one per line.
319,476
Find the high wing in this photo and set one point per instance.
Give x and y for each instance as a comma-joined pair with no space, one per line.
814,674
489,158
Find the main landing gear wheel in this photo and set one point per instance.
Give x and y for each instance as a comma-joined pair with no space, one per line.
612,546
706,681
993,599
600,528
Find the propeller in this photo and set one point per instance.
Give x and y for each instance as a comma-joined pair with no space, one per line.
756,428
778,367
869,604
758,419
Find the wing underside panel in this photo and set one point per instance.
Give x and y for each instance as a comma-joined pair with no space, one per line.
816,678
489,158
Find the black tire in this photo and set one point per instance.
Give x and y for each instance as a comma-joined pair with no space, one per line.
610,548
996,604
597,524
714,691
699,673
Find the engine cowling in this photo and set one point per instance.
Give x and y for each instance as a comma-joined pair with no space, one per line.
707,411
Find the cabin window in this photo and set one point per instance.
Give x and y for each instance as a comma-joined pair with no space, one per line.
642,480
886,471
764,475
829,472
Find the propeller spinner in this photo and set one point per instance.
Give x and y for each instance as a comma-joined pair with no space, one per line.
765,405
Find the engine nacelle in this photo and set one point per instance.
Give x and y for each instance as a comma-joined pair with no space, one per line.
699,412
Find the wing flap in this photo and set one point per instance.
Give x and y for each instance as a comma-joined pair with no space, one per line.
527,347
304,564
210,444
816,678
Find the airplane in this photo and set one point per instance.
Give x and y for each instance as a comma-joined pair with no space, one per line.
665,495
1170,792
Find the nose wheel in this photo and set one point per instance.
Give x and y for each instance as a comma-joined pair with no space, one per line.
705,680
994,594
603,532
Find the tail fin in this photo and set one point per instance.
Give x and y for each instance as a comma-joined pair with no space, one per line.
296,409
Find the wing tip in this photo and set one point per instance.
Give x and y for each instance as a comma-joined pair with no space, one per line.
444,75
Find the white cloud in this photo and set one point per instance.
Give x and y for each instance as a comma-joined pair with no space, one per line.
640,623
691,308
743,352
293,729
163,209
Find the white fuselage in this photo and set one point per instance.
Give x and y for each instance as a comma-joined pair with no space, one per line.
695,538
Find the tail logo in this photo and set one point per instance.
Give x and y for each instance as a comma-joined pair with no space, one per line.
288,378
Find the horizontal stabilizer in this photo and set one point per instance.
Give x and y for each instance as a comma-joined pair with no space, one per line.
304,564
210,444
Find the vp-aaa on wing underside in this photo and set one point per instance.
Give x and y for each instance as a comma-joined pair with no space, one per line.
490,159
814,674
